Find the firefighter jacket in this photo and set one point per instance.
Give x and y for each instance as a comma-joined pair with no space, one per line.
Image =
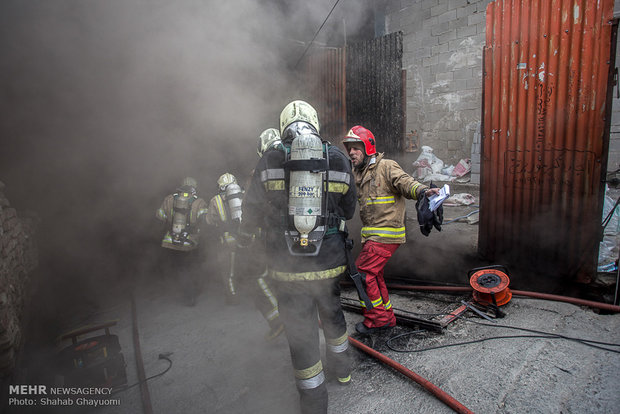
195,218
382,187
265,206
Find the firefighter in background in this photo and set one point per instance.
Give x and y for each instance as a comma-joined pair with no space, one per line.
225,214
264,298
306,254
382,188
183,213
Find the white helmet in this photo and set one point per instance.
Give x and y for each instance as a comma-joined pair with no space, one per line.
189,182
269,138
298,111
226,179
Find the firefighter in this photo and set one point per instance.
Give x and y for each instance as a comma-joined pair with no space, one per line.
382,188
183,213
225,214
268,139
305,252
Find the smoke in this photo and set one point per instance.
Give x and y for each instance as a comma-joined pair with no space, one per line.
106,105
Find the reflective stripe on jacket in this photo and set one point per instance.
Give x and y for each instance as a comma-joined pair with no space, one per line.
382,187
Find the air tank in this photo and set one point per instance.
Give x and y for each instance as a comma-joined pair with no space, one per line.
305,187
234,196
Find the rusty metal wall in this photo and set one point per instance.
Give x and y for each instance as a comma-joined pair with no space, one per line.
375,90
545,134
327,91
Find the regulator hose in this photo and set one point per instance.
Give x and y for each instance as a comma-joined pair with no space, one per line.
429,386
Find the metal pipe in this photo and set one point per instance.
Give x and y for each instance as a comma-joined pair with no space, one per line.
429,386
144,388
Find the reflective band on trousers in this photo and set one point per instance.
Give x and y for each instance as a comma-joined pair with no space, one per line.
395,232
381,200
310,377
267,292
388,305
375,303
337,345
317,275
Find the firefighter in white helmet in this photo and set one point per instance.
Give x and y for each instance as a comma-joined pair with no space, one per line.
268,139
183,213
225,215
306,250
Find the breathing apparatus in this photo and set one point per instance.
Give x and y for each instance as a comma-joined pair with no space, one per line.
182,206
306,165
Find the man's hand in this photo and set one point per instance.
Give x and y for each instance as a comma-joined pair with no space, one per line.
429,192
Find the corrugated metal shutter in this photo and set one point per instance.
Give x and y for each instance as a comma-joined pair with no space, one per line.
327,80
545,139
375,89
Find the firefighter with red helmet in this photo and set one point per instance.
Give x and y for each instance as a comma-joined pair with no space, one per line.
301,195
183,213
382,188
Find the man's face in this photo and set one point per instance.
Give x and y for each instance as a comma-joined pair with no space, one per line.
356,153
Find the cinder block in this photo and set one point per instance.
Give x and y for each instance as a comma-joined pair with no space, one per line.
475,168
458,4
465,11
429,61
444,76
476,18
446,37
446,17
439,9
440,29
466,31
443,48
474,178
465,73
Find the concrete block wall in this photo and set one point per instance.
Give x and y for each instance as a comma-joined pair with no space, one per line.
18,259
442,56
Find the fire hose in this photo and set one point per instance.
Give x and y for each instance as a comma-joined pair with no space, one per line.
429,386
535,295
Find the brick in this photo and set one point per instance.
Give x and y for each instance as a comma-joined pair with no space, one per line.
444,76
457,4
474,178
439,9
435,50
477,18
446,37
467,31
429,23
447,17
466,11
440,29
465,73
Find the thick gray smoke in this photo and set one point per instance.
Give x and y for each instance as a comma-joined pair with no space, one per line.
107,104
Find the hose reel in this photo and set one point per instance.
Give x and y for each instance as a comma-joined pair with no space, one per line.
490,285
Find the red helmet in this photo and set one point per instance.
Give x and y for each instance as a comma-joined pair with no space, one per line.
361,134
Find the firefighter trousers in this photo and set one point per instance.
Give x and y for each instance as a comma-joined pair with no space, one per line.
301,304
371,261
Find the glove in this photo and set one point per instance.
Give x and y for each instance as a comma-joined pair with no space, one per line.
428,219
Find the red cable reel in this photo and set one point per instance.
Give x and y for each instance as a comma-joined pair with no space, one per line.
490,285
